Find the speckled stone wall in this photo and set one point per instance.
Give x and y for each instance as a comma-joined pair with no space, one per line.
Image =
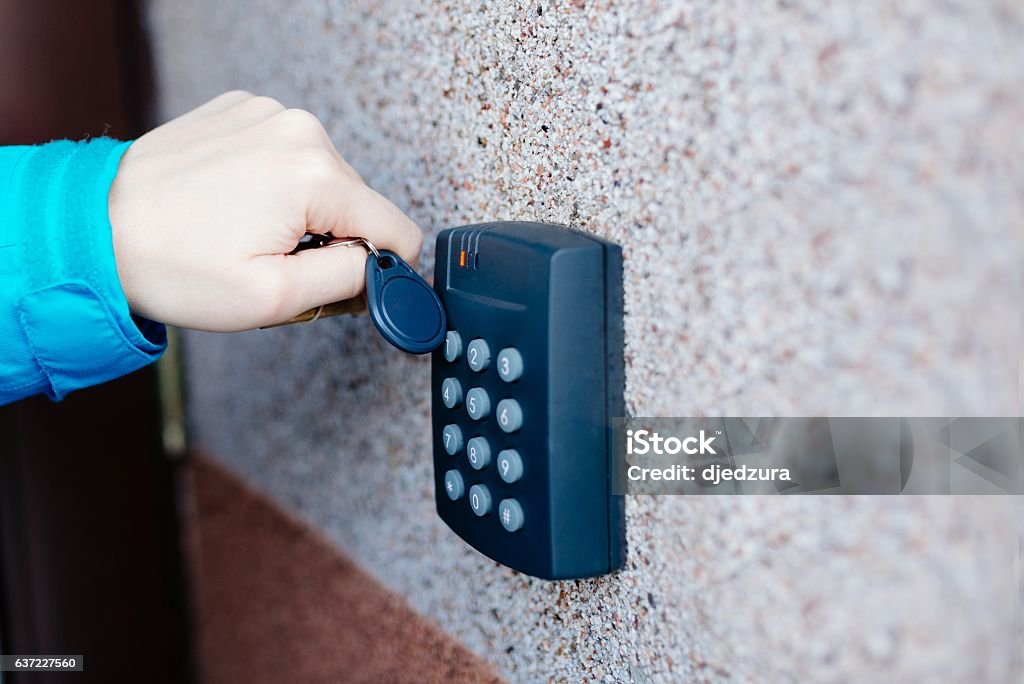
822,210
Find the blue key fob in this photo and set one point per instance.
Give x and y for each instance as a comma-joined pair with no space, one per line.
403,306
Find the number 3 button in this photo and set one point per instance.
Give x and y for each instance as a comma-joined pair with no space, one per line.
510,364
510,415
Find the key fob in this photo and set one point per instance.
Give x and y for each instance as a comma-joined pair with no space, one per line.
403,306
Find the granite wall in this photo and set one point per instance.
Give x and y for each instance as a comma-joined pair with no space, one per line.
822,211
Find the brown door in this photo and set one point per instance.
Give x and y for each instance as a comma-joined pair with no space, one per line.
90,558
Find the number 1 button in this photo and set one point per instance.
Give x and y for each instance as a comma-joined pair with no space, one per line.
452,346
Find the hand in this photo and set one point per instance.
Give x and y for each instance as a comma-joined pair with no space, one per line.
206,208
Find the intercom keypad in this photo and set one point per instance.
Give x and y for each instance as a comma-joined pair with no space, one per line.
524,389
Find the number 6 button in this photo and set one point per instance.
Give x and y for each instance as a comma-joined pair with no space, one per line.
510,415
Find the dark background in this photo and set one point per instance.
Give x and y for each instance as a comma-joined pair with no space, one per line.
90,546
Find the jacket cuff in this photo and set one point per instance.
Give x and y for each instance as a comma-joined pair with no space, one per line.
74,313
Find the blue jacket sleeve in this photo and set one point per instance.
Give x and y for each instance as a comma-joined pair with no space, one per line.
64,320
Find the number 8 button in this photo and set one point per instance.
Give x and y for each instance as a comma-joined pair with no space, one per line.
478,452
510,415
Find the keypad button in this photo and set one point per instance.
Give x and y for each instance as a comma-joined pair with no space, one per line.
452,437
510,465
453,485
452,346
478,404
478,354
510,513
478,452
480,499
510,415
510,364
451,392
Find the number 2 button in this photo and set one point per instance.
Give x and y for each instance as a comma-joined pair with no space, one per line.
478,355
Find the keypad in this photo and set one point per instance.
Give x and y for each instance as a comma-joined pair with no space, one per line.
535,341
489,465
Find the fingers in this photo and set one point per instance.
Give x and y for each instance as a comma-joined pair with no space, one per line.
302,129
347,209
229,113
314,277
218,104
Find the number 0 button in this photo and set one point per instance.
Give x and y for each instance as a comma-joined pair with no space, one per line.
510,364
478,404
510,415
478,354
480,500
452,437
451,392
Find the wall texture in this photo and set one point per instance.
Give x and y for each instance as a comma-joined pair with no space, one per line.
822,210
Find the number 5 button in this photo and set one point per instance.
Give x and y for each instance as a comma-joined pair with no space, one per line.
510,415
478,404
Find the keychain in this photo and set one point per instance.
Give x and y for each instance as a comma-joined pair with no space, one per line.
403,306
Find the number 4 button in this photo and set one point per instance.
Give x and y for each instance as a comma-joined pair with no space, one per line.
510,415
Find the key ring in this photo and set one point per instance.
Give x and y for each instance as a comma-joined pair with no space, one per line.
352,242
